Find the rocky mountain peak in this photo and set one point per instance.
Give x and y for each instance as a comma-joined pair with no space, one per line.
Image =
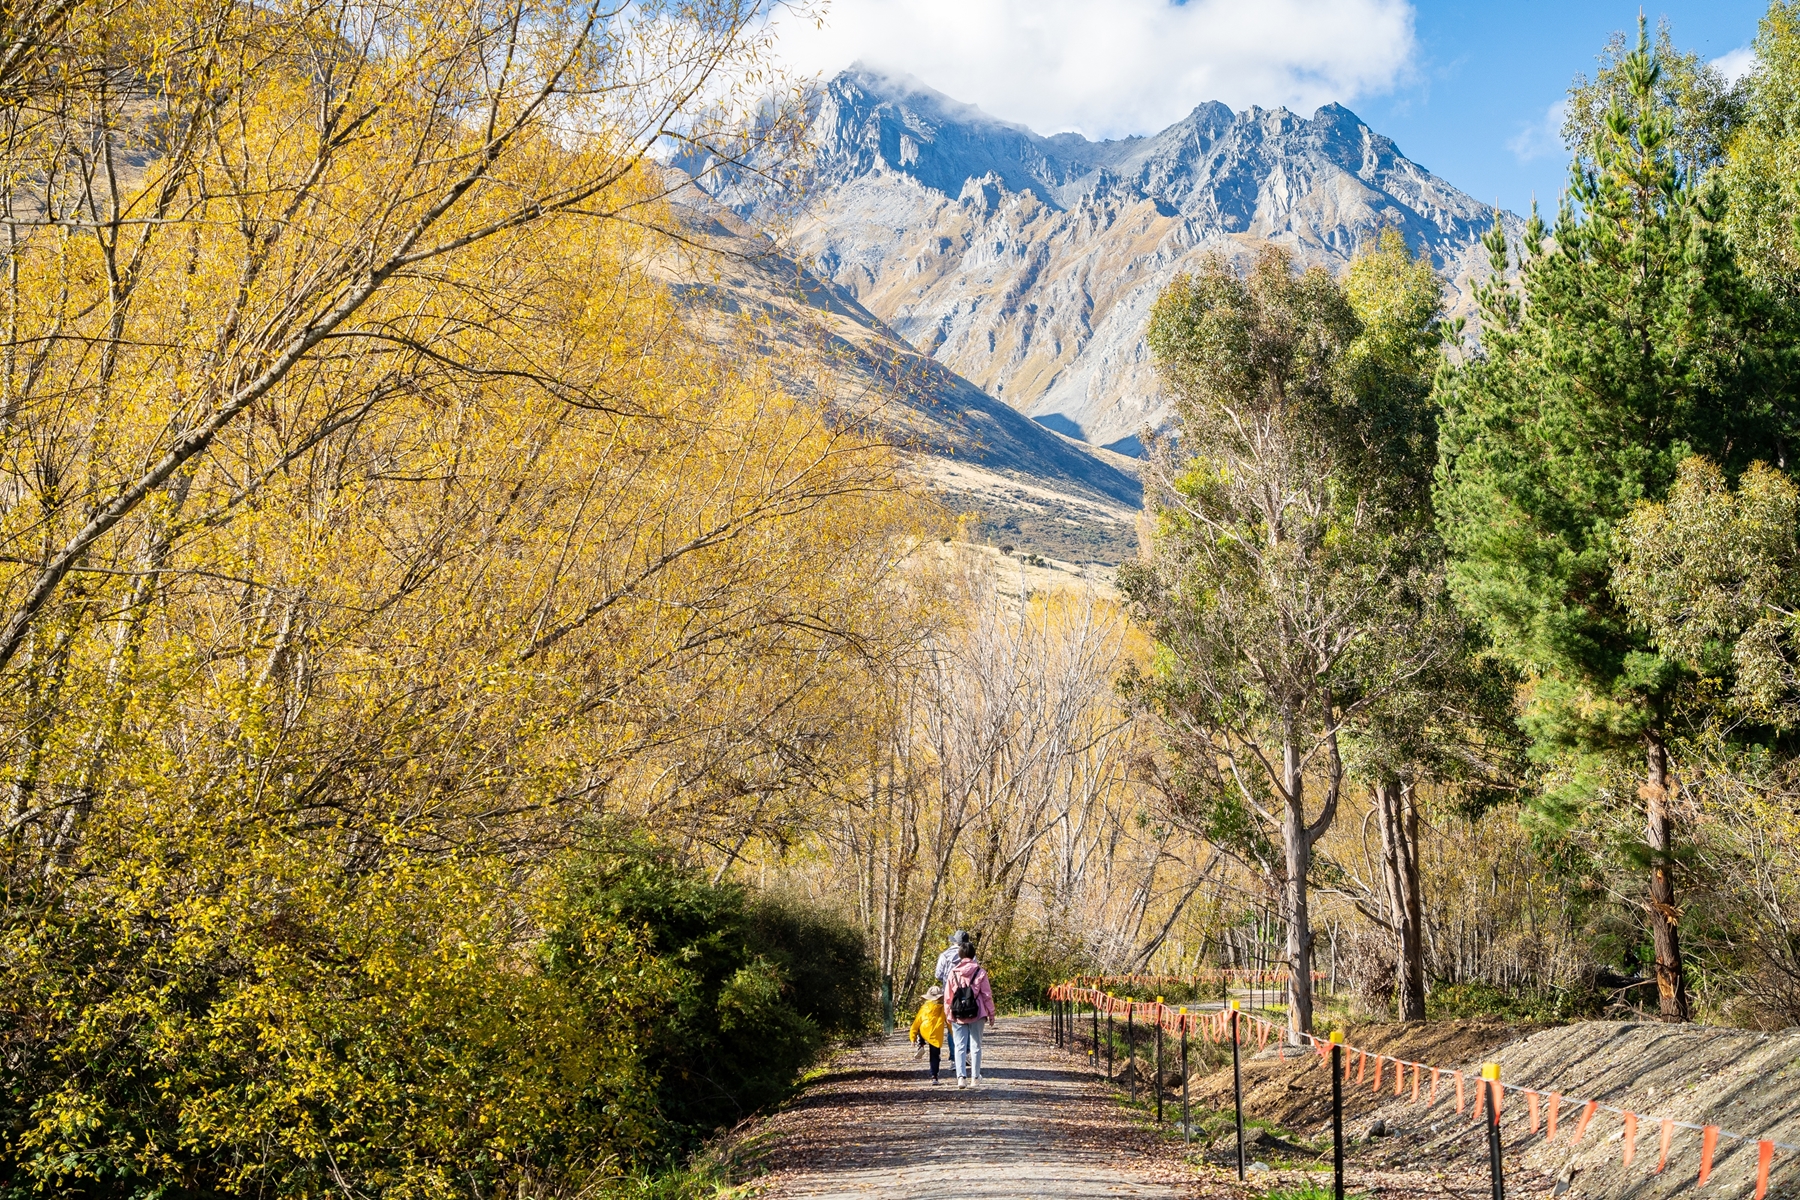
1028,263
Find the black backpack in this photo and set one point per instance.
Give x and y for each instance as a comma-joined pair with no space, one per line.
963,1006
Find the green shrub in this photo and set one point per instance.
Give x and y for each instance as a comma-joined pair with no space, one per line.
1023,969
1478,999
758,986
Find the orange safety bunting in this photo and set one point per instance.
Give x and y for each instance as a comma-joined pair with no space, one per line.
1555,1103
1497,1094
1709,1141
1630,1138
1418,1070
1399,1075
1765,1151
1531,1107
1362,1066
1459,1093
1434,1078
1668,1135
1587,1114
1376,1087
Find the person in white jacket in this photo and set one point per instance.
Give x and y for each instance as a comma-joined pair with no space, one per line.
951,956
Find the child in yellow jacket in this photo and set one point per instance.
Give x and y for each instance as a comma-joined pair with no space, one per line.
928,1027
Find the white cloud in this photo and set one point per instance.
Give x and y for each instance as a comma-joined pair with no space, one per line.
1735,64
1112,67
1542,137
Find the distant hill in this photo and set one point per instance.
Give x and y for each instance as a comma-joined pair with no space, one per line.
1027,264
1026,485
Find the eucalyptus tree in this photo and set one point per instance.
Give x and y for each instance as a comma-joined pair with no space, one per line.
1762,171
1287,558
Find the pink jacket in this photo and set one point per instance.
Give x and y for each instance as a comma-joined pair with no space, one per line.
974,975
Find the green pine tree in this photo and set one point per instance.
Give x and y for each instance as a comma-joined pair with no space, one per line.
1629,341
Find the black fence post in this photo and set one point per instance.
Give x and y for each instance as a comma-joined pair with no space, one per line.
1237,1087
887,1003
1094,1043
1490,1087
1158,1085
1131,1043
1337,1115
1109,1044
1187,1131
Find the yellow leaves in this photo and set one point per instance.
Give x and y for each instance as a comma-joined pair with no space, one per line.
498,536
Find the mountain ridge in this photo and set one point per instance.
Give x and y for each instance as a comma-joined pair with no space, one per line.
1027,263
1022,483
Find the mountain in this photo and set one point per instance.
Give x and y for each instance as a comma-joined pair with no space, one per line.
1028,264
1025,485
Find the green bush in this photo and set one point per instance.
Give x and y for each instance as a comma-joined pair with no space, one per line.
758,985
290,1026
1477,999
1023,968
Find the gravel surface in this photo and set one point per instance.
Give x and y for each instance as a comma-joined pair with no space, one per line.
874,1126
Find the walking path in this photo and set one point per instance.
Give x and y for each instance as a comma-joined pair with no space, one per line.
874,1126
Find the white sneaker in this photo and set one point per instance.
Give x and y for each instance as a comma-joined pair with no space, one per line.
961,1082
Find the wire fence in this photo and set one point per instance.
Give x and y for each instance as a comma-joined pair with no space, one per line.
1081,1007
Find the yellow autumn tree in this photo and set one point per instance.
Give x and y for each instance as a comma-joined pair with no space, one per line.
375,521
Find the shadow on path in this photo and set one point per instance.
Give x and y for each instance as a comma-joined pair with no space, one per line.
875,1126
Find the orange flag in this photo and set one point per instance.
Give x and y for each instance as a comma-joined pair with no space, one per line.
1434,1079
1495,1094
1630,1138
1531,1106
1668,1135
1555,1103
1587,1114
1709,1141
1418,1070
1377,1084
1262,1034
1459,1092
1399,1075
1764,1152
1362,1064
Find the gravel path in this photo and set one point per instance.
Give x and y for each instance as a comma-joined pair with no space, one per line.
874,1126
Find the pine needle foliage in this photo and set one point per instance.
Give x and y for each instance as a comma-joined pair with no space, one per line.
1627,342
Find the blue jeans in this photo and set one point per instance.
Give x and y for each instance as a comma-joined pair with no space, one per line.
967,1040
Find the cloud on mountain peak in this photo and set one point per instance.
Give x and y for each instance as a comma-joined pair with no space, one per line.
1115,67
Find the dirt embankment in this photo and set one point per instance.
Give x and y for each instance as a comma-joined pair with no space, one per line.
1748,1083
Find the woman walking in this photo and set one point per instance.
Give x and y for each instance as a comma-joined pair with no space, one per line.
969,1006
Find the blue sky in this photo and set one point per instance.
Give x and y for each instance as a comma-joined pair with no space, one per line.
1464,88
1485,76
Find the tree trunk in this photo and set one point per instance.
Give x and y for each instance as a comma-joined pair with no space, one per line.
1297,843
1671,979
1397,814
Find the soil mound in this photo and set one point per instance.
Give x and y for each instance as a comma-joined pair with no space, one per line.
1748,1083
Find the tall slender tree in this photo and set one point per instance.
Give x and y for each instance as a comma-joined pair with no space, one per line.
1762,171
1283,568
1629,343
